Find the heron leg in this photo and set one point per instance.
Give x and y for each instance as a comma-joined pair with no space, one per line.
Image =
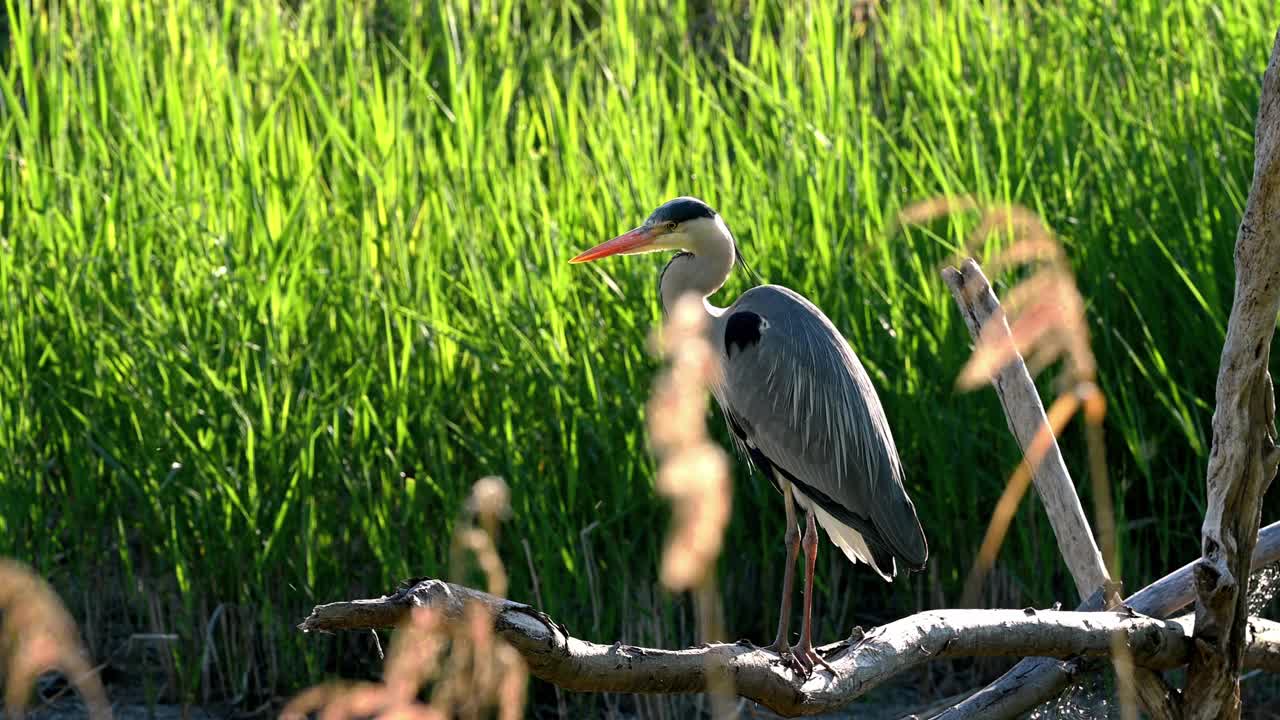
804,653
792,538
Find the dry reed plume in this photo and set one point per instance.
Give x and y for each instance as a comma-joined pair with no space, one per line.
1041,318
693,471
39,636
473,671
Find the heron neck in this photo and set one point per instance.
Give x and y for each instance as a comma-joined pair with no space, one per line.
702,273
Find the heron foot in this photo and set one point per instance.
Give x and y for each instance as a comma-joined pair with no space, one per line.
780,646
807,659
800,659
785,655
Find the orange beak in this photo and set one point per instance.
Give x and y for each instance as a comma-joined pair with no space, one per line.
627,243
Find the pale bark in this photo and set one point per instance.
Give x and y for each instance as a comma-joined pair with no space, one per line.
1244,455
1036,680
1025,414
861,663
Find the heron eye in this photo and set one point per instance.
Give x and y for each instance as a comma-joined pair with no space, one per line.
671,226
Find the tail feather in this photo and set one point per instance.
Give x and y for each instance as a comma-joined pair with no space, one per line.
851,541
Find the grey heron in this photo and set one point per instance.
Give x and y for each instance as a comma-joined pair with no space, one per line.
800,406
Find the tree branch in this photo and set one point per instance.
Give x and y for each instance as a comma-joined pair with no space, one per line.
1036,680
1025,414
862,663
1243,459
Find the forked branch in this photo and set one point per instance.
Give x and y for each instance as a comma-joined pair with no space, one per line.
1244,455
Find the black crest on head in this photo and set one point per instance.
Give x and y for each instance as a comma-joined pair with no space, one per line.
681,209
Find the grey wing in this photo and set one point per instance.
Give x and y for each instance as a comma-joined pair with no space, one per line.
798,399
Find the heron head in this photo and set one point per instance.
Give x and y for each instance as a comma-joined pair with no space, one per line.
685,223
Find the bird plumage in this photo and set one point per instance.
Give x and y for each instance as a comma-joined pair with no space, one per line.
797,397
801,407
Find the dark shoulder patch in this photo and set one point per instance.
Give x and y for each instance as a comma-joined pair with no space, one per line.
741,331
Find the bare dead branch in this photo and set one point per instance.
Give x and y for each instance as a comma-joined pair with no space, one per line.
1025,415
1036,680
1042,462
862,662
1243,459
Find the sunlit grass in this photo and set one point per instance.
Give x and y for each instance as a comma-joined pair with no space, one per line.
279,281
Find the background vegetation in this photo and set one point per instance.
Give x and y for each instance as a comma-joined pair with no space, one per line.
279,281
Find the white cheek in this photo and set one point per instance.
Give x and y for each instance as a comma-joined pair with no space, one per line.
674,241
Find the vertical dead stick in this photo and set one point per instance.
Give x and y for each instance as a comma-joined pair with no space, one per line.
1025,415
1244,456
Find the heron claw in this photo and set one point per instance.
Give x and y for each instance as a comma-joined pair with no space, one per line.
797,659
808,659
783,649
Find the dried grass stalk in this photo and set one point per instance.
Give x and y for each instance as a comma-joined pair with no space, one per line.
693,471
40,636
473,672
